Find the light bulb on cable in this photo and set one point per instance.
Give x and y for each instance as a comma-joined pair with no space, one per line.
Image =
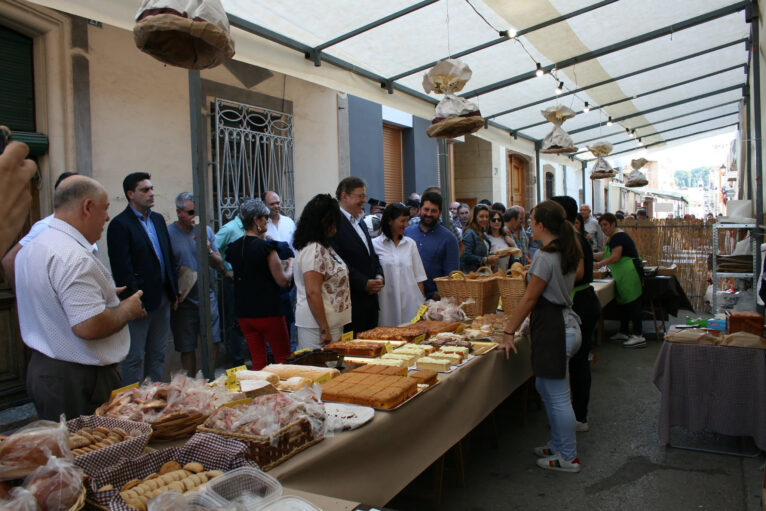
586,108
560,88
539,71
609,121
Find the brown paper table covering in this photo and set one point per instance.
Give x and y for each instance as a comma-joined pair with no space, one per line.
374,463
712,388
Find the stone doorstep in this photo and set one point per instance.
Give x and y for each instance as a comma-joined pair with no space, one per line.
17,416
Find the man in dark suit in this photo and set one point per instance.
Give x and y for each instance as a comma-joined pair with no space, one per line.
353,244
141,258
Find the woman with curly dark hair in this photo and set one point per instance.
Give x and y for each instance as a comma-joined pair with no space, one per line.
323,301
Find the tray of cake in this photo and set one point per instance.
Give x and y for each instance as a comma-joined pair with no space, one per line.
381,387
442,358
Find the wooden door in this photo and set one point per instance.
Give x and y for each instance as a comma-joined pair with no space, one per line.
517,175
393,177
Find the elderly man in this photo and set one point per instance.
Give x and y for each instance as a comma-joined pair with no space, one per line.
353,244
592,230
463,215
69,312
141,258
185,320
280,227
453,207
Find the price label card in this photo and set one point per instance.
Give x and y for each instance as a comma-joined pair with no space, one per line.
388,348
245,401
420,338
231,374
348,336
298,352
422,310
126,387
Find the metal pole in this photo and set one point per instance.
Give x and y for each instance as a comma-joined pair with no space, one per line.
584,199
197,128
537,171
748,156
756,90
445,180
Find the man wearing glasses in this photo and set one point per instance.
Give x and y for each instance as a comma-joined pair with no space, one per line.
185,320
353,244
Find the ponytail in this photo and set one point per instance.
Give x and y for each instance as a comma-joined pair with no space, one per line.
553,217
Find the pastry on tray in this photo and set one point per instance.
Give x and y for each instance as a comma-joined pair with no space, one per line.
424,376
356,348
381,369
435,327
316,374
435,364
378,391
394,333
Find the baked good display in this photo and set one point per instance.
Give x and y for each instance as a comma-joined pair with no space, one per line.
57,485
356,348
435,364
419,349
435,327
454,358
31,447
408,358
456,349
495,321
438,342
294,383
424,377
394,333
378,391
255,388
316,374
318,357
171,477
381,369
244,375
88,439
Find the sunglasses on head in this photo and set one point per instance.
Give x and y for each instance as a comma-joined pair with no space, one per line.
482,206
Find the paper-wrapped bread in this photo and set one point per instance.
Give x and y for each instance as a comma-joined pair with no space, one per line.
454,116
636,178
601,169
558,140
447,77
193,34
638,163
602,148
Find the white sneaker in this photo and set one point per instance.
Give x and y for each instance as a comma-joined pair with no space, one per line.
545,451
635,341
559,464
581,427
619,337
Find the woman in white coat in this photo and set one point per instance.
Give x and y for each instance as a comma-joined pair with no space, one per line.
402,295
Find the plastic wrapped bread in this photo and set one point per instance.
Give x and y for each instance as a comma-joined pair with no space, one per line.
601,169
558,140
454,116
637,178
638,163
193,34
257,375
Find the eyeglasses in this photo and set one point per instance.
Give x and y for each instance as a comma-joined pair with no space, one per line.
189,212
496,220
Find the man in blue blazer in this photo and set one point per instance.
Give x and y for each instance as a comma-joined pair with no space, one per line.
353,244
141,258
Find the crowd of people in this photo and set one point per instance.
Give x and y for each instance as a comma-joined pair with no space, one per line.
300,285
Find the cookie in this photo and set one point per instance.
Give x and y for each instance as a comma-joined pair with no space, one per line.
130,484
194,467
169,467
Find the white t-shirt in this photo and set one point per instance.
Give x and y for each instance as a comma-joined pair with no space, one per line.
284,231
400,298
59,284
39,227
336,294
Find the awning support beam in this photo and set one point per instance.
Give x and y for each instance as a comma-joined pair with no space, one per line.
621,77
507,37
672,139
314,53
606,50
655,91
664,120
662,107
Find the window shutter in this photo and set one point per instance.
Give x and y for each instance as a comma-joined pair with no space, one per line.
392,164
17,88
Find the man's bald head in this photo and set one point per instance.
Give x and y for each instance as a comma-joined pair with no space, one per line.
75,189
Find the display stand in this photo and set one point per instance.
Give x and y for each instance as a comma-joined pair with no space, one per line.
754,249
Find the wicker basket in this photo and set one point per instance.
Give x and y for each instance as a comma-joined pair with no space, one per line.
291,440
483,289
511,291
176,426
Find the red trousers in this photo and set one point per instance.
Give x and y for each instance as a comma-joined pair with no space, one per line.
258,330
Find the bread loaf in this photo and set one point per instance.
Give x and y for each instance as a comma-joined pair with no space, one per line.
316,374
257,375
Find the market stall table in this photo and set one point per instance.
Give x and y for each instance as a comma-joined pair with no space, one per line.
374,463
712,388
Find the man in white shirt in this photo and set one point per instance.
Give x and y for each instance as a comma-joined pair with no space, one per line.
69,313
593,232
279,227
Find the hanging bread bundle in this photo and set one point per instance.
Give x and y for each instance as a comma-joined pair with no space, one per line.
601,169
454,116
558,141
637,178
193,34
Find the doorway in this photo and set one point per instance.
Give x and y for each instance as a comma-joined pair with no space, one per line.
517,178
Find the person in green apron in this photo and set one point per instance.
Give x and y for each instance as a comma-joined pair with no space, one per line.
621,255
554,329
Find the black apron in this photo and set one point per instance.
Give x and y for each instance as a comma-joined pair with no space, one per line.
548,335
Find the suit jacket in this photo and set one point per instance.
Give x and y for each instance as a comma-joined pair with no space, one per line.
134,262
362,266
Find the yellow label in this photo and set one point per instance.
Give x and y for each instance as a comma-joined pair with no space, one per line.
420,338
348,336
457,276
304,350
232,385
422,310
231,372
388,347
245,401
460,329
126,387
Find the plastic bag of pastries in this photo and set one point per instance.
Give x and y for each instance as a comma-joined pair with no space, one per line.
601,169
31,446
193,34
454,116
558,140
637,178
56,486
19,499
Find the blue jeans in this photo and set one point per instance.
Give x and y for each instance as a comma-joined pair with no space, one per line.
558,404
148,343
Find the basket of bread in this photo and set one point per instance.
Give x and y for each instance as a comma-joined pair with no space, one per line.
174,410
37,471
512,286
95,440
481,286
274,427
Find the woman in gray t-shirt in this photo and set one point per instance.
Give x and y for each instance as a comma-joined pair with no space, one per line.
553,328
